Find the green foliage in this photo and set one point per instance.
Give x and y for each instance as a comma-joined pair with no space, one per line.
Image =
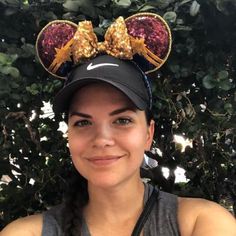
6,65
194,96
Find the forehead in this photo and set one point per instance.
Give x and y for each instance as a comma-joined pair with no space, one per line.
100,92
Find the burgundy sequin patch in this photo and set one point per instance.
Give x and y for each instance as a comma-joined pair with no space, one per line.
153,30
55,35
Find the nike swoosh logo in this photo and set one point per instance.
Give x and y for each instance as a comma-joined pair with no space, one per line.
91,66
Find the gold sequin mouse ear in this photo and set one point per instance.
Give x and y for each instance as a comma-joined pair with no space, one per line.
54,44
61,44
150,37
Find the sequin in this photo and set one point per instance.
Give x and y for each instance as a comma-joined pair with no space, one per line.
54,36
152,30
145,34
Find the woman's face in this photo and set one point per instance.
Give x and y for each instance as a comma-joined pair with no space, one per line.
107,135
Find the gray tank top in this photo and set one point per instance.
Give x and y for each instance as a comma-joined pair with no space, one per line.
161,222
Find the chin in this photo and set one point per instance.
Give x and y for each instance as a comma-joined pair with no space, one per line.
104,181
110,177
112,181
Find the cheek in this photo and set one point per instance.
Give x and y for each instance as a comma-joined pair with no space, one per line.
77,147
75,143
136,140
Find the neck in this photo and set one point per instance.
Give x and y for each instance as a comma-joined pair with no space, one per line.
116,203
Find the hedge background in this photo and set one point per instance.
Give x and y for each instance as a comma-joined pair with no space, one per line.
194,96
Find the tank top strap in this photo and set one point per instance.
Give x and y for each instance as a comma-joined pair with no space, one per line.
163,218
52,221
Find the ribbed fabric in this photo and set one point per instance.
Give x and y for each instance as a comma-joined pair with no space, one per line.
163,218
161,222
52,221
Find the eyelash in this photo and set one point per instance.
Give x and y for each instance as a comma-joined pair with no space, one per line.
82,123
120,121
123,121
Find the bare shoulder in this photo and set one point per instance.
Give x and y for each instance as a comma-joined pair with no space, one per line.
199,217
26,226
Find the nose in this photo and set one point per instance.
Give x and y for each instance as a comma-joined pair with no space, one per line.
103,136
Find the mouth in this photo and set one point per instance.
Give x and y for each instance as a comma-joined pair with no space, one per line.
104,160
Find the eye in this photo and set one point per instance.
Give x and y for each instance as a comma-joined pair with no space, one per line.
82,123
123,121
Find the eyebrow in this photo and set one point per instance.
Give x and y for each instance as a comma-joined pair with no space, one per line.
121,110
115,112
76,113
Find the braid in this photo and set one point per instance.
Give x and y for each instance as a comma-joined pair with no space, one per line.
75,200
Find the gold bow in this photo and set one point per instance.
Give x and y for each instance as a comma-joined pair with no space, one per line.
118,43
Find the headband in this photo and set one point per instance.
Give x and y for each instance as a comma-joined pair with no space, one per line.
62,44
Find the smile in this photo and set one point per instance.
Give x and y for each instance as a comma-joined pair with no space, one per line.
103,160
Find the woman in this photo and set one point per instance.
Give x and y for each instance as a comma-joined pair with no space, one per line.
108,103
109,129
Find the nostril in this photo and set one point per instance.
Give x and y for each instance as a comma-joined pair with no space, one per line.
102,139
103,142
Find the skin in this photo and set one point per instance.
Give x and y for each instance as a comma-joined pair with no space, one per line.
107,138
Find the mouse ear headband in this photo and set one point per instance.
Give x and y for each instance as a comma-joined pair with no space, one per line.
62,44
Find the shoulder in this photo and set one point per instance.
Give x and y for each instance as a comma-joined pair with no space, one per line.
199,217
26,226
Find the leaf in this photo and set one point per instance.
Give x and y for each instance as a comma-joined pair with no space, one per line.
14,85
4,93
6,59
4,85
228,107
85,6
12,71
3,58
225,85
179,21
69,16
28,50
182,28
15,96
225,6
105,23
174,68
123,3
147,8
98,31
10,11
13,2
33,89
101,3
194,8
200,74
170,16
162,4
70,5
208,82
185,72
184,2
50,16
223,75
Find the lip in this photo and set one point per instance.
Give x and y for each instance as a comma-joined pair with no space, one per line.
104,160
